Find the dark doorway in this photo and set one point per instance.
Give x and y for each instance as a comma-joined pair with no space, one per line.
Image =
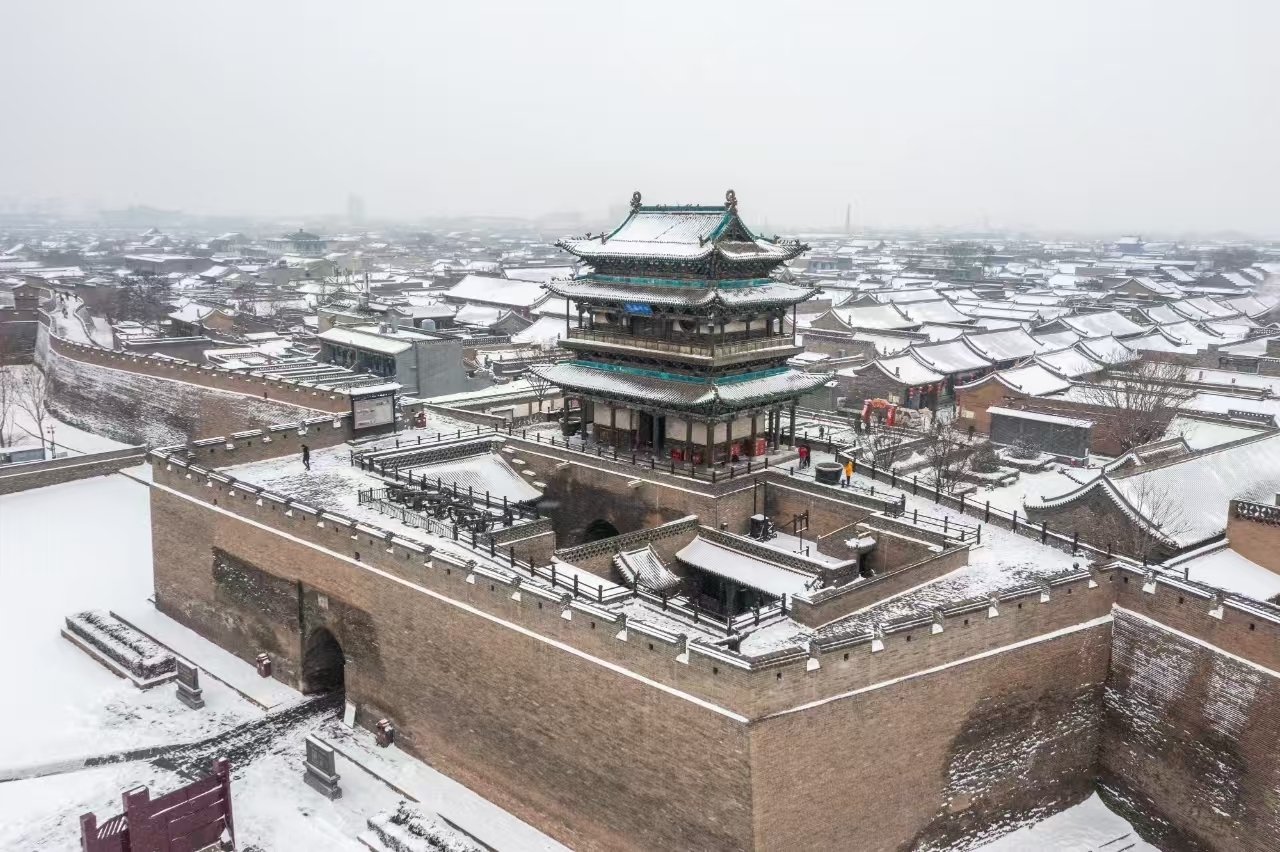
322,663
597,530
644,434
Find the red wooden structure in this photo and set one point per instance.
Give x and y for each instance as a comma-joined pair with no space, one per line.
191,818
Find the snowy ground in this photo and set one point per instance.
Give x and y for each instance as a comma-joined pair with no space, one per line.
105,562
1058,479
1003,560
62,705
1088,827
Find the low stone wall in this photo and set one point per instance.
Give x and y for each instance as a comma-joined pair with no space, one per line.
825,605
24,476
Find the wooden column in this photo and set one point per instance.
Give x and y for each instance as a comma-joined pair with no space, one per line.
711,442
753,431
613,426
688,439
793,424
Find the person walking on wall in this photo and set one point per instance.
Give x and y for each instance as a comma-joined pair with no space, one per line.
804,456
848,472
306,457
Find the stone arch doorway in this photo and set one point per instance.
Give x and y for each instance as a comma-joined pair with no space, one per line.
597,530
322,663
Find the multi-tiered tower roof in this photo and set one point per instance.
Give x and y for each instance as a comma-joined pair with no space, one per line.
679,343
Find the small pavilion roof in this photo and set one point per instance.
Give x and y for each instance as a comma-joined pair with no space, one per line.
682,233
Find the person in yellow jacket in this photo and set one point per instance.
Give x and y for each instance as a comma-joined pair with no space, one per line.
848,472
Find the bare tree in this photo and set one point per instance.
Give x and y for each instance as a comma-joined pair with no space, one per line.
540,387
1161,520
33,395
1139,400
950,455
8,405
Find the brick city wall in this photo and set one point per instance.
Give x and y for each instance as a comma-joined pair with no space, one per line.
927,762
1189,738
586,754
590,754
214,378
140,409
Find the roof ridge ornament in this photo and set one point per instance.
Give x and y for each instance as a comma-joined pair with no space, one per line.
731,201
635,201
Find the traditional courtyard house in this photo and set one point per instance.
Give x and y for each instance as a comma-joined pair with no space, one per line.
973,400
1166,507
956,360
1145,288
903,381
679,339
192,319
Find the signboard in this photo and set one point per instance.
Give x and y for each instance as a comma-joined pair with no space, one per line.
369,411
637,308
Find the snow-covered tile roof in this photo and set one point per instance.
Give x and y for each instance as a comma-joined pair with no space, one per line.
1107,350
647,567
1203,485
953,356
642,387
1111,323
876,316
904,369
544,331
497,291
1031,379
1070,362
1005,345
937,310
1040,417
745,570
364,340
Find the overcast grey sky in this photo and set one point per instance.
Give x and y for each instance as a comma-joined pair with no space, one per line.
1088,116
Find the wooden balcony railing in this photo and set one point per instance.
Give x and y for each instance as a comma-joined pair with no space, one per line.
696,345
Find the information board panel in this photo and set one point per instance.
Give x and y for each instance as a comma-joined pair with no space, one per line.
373,411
